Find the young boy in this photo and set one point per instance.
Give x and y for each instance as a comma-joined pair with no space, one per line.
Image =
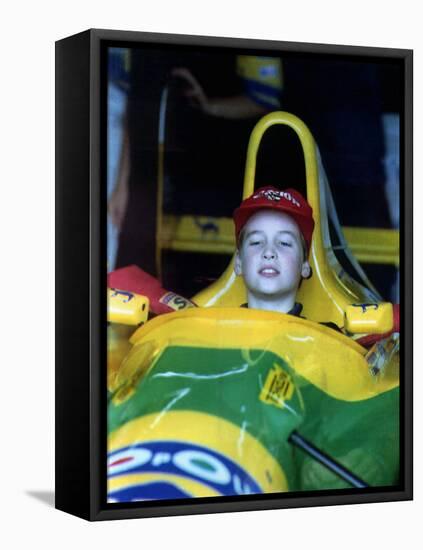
273,230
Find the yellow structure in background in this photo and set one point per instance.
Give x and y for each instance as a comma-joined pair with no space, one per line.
216,236
373,246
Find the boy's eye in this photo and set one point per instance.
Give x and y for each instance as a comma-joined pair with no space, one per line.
255,243
286,243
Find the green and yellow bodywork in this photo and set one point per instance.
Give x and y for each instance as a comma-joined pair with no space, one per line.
227,386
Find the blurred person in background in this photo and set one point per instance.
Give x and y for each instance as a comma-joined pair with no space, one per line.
118,165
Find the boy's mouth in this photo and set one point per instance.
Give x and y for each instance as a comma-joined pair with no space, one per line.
268,271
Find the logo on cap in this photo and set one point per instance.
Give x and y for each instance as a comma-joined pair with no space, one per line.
275,195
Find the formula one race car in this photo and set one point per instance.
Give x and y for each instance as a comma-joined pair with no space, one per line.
210,399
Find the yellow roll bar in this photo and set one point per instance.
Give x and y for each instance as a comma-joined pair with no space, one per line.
327,294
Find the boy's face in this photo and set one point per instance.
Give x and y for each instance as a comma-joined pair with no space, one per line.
271,256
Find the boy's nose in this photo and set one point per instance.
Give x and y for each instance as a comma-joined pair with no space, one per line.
269,254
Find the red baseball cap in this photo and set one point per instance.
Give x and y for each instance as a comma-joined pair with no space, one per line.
288,200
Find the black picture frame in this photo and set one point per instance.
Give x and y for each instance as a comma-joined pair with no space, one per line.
81,283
